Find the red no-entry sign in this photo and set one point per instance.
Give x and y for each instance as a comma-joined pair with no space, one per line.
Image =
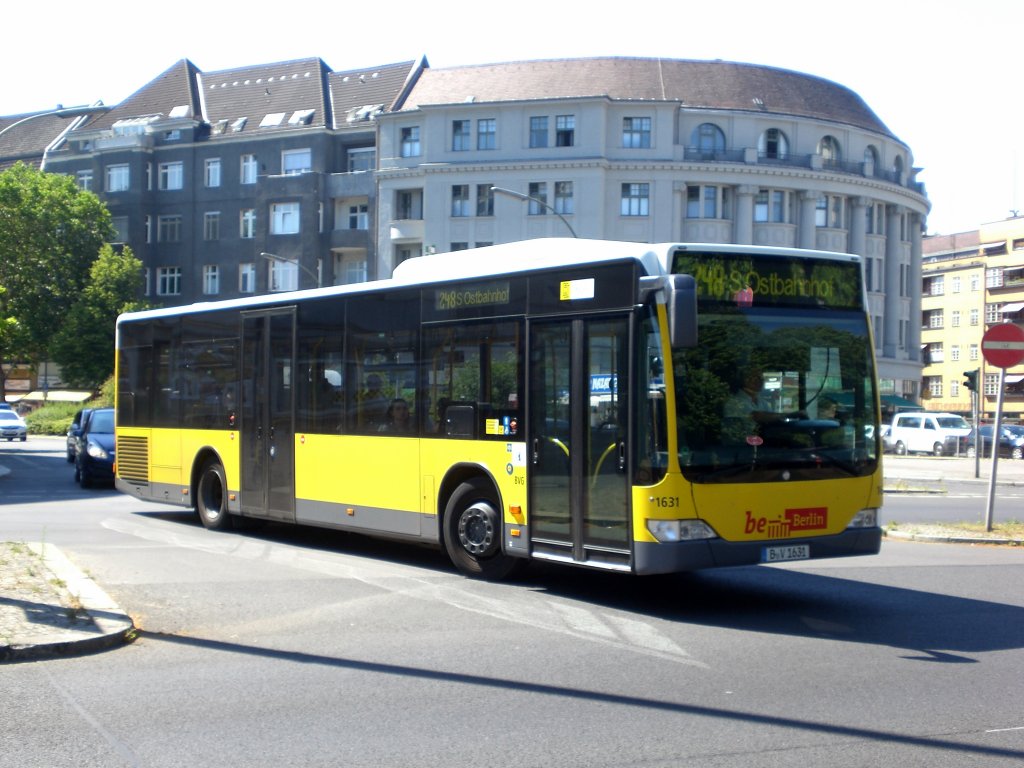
1003,345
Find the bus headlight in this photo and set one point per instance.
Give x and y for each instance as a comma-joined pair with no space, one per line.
866,518
667,531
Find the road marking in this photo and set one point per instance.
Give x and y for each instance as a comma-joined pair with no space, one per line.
1004,730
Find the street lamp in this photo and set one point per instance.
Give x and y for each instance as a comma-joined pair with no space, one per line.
283,260
538,201
85,109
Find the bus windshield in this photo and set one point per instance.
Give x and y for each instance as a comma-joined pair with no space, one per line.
781,386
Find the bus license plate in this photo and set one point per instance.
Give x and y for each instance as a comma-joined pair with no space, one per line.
781,554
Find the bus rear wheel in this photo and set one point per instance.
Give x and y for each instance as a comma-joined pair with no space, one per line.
473,531
212,497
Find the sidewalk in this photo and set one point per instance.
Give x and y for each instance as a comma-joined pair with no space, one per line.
48,607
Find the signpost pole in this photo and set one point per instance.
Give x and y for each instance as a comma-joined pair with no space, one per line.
997,431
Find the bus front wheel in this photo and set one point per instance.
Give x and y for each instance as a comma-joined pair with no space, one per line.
473,531
212,497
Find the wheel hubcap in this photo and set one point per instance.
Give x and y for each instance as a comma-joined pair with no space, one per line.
477,529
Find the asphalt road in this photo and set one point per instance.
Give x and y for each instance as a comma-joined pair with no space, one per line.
295,646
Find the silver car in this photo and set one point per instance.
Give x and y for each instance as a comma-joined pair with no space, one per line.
12,426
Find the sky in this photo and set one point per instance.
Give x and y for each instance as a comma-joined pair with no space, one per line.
943,77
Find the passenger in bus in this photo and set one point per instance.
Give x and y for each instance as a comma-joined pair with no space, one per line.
399,419
373,405
749,401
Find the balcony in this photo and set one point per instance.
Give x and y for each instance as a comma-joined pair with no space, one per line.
357,184
407,229
350,238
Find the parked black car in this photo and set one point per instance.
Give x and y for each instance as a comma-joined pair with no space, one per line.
1011,441
94,449
75,430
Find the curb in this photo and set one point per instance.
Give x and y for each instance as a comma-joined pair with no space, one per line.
109,625
940,539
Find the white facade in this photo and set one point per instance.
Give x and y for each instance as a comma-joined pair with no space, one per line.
647,171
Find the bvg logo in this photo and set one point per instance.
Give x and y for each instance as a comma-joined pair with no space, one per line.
792,521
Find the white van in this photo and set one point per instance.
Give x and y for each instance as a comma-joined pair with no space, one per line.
941,434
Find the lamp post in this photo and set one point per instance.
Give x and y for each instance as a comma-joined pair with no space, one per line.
538,201
296,262
85,109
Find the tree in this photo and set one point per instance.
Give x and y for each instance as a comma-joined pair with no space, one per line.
50,234
84,346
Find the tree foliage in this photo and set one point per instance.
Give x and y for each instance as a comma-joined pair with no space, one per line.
50,234
84,346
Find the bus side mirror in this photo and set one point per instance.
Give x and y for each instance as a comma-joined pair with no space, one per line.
681,305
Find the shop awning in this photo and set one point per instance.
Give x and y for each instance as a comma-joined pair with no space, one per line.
901,403
1017,306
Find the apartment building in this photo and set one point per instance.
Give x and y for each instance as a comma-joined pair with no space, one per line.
656,150
287,175
971,281
242,181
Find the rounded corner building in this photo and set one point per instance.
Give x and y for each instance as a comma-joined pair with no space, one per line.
657,150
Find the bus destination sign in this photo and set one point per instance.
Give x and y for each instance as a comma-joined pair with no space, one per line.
474,295
745,280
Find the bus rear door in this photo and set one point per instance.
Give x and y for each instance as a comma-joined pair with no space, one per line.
268,420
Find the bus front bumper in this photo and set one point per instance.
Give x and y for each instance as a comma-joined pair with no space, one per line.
651,558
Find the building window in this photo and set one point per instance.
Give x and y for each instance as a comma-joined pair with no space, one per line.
972,352
247,224
284,218
460,135
636,199
211,225
117,178
973,317
993,313
211,172
168,281
563,197
955,320
170,176
538,190
829,211
84,180
211,280
249,169
409,204
773,205
411,141
935,386
484,200
355,271
636,132
359,216
565,130
935,318
937,285
459,246
120,229
364,159
708,202
460,200
991,384
487,134
247,278
831,154
875,219
284,275
954,353
168,229
296,161
708,139
994,277
956,284
538,132
773,145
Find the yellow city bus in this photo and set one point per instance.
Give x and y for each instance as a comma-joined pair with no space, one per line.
621,406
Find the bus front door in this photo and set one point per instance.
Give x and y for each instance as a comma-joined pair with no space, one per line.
268,422
578,418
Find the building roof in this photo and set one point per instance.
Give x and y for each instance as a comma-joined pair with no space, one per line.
173,88
25,137
359,94
694,84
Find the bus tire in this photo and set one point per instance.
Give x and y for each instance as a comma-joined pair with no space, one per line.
473,531
212,497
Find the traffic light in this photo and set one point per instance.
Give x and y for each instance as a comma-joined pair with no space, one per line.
971,380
